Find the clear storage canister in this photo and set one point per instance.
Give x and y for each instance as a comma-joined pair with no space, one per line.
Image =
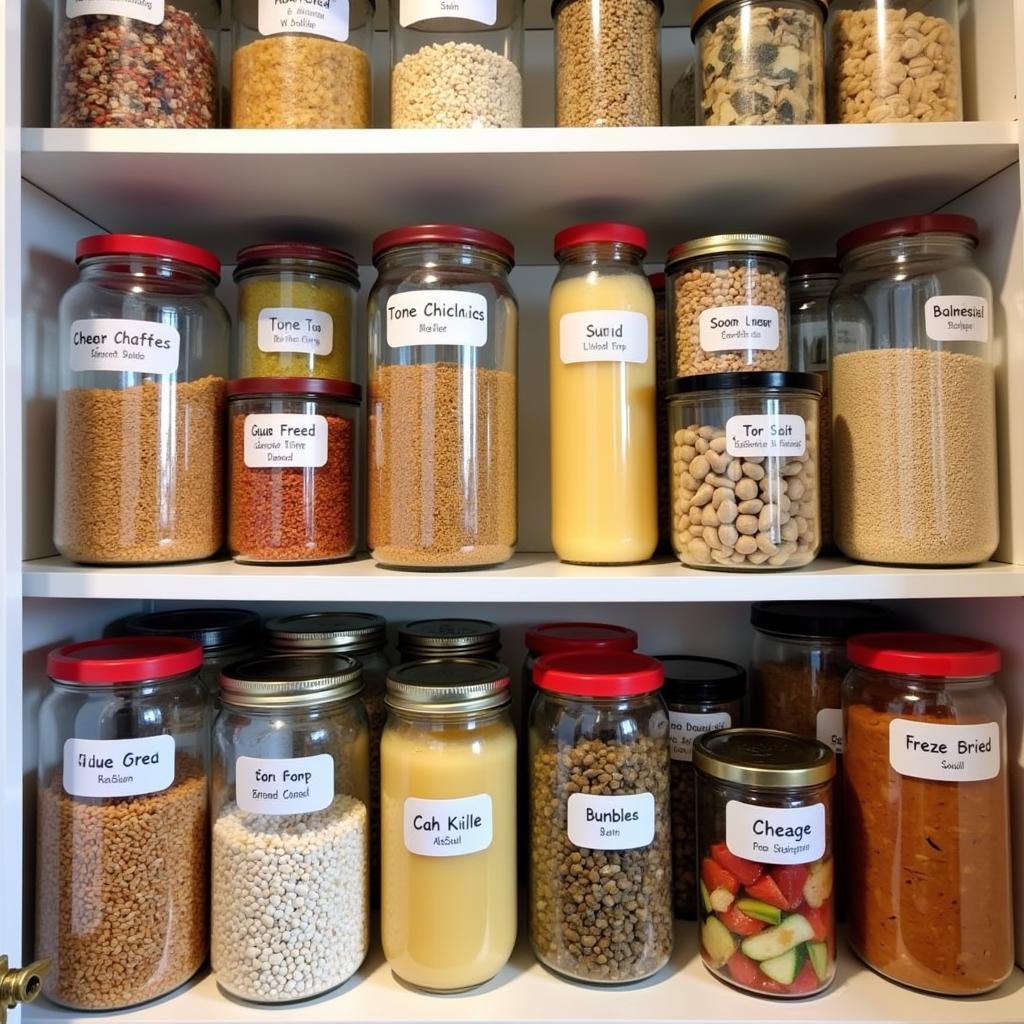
294,478
913,395
132,64
443,336
290,913
456,63
661,378
302,64
895,61
123,826
600,845
767,877
426,639
143,357
745,470
929,898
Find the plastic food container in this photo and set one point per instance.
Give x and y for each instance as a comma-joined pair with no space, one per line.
745,470
290,858
912,369
143,358
294,480
764,828
426,639
443,334
121,860
928,819
761,61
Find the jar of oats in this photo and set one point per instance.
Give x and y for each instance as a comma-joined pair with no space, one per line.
728,304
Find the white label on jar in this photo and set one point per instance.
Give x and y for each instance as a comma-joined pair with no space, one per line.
125,346
448,828
149,11
603,336
957,318
114,768
283,329
327,18
284,440
411,12
781,435
284,785
611,822
728,328
775,835
945,753
684,728
436,318
830,728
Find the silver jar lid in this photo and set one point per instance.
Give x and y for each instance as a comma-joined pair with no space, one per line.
728,245
435,638
448,685
290,680
341,632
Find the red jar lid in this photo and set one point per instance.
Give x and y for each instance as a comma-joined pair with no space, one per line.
657,280
603,231
453,233
129,659
904,227
587,674
264,252
937,655
147,245
312,386
561,637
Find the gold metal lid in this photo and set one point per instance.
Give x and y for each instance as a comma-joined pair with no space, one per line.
728,245
439,638
764,758
707,7
327,632
290,681
443,686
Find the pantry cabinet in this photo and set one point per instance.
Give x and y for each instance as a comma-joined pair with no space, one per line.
222,189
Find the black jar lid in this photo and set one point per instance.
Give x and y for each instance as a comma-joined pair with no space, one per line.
209,627
830,620
763,380
815,266
764,758
693,680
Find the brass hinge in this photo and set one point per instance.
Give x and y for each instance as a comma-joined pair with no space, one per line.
20,986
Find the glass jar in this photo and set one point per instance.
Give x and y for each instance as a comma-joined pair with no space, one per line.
895,61
448,638
294,474
600,716
929,901
661,378
601,342
728,304
290,914
140,415
125,64
703,695
443,336
607,62
456,65
121,857
296,312
745,470
448,824
764,839
682,101
761,61
913,395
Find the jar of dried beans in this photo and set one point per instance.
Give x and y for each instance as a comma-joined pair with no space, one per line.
143,358
123,821
443,327
293,461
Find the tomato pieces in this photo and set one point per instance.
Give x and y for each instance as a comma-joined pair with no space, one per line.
805,982
746,871
741,924
820,919
766,890
715,877
743,970
790,879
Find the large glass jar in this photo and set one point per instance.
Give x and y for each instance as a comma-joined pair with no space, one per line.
290,914
767,878
913,395
599,809
443,337
121,858
601,342
448,823
304,64
126,64
426,639
143,356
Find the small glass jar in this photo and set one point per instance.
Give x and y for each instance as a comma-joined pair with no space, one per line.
661,378
607,62
894,61
143,357
929,898
764,839
121,860
728,304
296,312
745,470
456,65
703,695
682,100
426,639
600,717
761,61
443,337
125,64
294,474
448,824
290,914
602,381
305,64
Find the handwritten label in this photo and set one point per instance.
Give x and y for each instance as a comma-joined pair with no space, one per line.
284,440
284,329
114,768
326,18
775,835
728,328
684,728
945,753
830,728
604,336
760,435
284,785
436,318
149,11
957,318
412,12
125,346
448,828
611,822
